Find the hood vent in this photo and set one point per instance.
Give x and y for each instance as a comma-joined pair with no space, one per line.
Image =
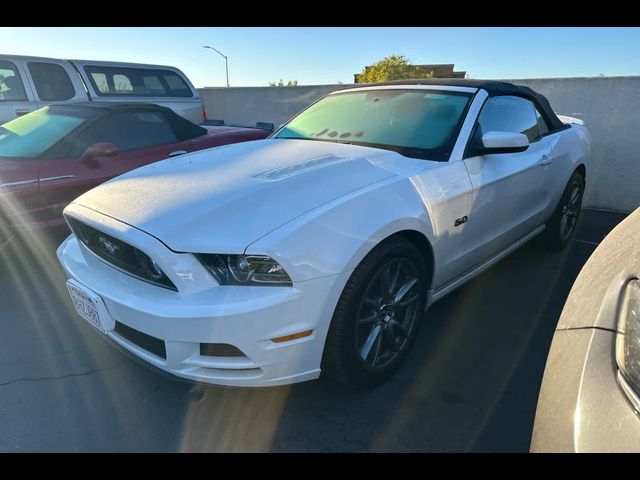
295,169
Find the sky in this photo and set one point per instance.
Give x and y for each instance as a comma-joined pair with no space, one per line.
313,55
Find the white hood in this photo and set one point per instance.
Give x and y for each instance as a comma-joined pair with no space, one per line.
222,199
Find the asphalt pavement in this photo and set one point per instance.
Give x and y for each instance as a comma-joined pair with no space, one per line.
470,383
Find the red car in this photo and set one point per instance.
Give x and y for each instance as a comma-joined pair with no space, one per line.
51,156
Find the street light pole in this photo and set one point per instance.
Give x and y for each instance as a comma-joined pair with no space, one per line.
226,62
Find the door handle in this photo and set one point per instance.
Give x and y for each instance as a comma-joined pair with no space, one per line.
22,111
546,160
177,153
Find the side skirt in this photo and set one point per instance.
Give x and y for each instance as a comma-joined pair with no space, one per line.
435,295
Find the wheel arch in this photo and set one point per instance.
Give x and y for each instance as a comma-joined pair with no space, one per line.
423,245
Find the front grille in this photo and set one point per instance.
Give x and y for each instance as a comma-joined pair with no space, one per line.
120,255
146,342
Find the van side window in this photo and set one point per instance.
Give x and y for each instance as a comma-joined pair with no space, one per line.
153,85
100,80
11,88
177,85
122,83
137,82
51,81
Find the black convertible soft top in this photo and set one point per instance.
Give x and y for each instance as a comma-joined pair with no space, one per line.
183,128
493,88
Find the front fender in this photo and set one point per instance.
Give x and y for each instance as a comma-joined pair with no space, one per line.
335,237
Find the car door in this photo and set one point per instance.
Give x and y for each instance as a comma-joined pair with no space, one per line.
141,137
18,193
509,193
16,97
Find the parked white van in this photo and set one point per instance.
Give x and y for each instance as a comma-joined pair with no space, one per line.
29,83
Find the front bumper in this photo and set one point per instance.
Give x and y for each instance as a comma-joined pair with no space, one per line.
582,407
245,317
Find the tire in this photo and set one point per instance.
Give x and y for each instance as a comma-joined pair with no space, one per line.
558,234
364,322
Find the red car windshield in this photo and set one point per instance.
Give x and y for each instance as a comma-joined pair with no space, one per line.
31,135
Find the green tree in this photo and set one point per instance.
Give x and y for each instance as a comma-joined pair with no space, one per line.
280,83
393,67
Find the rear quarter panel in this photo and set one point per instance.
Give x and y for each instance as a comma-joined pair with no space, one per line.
571,147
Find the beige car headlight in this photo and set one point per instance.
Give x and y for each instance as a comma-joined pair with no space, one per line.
628,341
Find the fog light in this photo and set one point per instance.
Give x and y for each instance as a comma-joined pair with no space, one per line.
220,350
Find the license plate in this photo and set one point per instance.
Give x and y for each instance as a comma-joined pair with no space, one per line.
87,305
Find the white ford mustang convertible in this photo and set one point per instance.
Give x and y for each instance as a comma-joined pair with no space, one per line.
320,248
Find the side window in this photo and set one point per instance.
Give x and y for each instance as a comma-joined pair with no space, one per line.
543,128
11,88
122,83
505,114
127,131
51,81
100,79
139,82
153,85
177,86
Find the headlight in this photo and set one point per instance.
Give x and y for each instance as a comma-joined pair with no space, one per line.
628,337
150,267
245,270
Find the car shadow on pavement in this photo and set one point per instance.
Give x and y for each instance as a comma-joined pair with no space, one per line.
470,383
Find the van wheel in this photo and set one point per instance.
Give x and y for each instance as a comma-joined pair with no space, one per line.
376,319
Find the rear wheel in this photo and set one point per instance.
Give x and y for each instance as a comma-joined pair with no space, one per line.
376,319
562,225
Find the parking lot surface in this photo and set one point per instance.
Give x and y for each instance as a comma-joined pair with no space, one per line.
470,383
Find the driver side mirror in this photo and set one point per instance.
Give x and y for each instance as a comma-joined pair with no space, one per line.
503,142
97,151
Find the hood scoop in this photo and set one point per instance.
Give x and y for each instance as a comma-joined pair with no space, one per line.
296,168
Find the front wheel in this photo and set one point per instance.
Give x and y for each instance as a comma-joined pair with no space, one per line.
376,319
562,225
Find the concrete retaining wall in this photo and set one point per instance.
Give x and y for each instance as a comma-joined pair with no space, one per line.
610,107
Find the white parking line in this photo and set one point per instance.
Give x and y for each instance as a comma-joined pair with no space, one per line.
5,243
586,241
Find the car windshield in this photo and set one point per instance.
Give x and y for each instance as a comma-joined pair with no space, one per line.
415,123
36,132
